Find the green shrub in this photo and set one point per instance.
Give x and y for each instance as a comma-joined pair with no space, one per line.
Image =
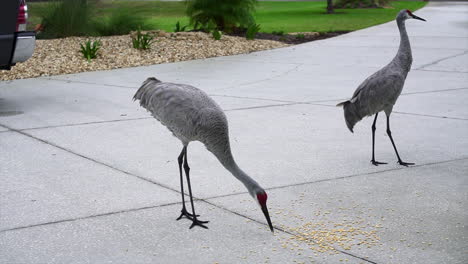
252,31
90,49
120,22
64,18
142,41
178,28
224,14
360,3
216,34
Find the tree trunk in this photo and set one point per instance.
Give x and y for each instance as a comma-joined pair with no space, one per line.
330,7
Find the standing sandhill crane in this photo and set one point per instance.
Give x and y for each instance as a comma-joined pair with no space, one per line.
380,91
190,114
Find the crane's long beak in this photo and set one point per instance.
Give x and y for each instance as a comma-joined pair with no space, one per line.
267,216
419,18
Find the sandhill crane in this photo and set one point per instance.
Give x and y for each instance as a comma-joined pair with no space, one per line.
380,91
191,115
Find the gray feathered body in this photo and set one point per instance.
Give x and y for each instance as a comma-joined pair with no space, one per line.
191,115
380,91
188,112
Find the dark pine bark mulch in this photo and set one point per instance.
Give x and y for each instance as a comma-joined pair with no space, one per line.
290,38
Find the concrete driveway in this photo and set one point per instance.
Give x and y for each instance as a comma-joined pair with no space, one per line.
87,176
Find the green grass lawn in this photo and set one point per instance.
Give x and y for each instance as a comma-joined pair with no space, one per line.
272,16
310,16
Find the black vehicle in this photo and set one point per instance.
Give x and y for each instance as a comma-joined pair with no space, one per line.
16,44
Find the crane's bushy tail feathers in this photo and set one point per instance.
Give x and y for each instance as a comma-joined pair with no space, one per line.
351,113
142,92
343,103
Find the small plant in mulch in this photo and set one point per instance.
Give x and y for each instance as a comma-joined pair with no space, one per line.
300,36
179,28
142,41
90,49
216,34
278,33
252,31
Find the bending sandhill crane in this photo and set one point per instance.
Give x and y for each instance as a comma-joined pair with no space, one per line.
190,114
380,91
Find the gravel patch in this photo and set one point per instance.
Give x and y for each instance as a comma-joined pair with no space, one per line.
62,56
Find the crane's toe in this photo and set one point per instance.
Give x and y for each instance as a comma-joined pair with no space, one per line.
406,164
199,223
184,213
377,163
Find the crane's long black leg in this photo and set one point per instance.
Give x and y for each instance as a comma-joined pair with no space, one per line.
183,212
376,163
196,222
389,133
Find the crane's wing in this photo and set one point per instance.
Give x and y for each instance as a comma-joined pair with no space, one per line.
377,92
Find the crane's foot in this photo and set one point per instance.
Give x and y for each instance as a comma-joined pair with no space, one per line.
183,213
377,163
406,164
199,223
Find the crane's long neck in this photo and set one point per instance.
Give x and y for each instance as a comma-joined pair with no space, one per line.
223,153
403,57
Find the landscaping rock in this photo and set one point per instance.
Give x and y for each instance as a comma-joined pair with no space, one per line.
62,56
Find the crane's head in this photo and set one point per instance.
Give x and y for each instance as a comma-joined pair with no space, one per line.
407,14
261,197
